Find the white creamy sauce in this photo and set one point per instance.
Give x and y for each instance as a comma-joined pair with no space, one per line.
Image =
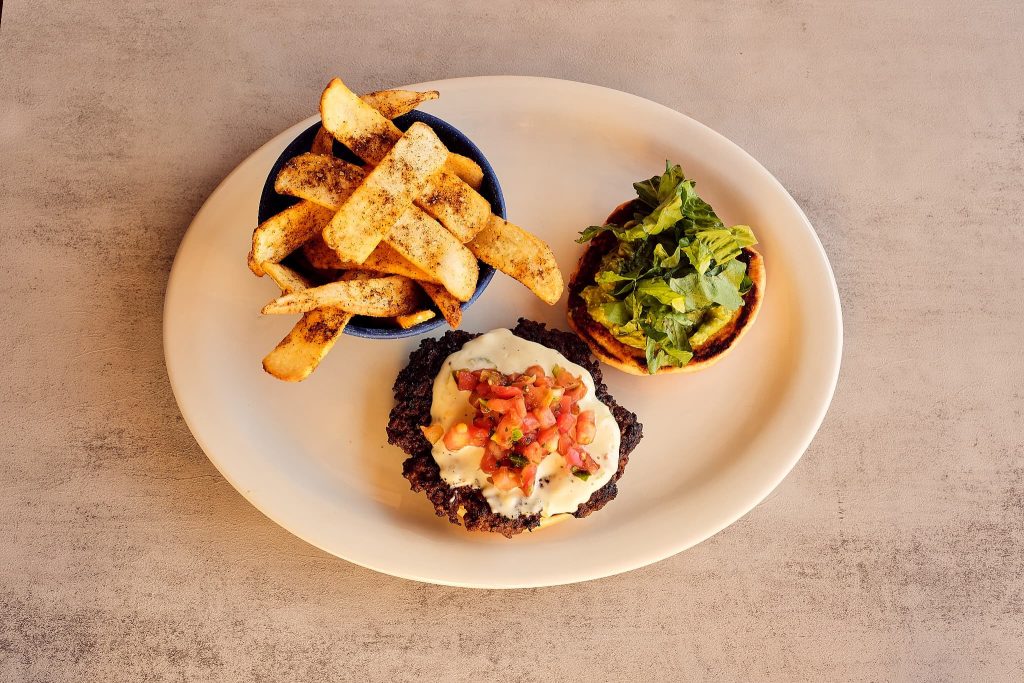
557,490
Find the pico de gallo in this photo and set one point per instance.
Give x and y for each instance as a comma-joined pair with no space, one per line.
520,419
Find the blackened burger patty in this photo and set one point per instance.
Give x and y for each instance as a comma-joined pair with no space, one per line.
414,394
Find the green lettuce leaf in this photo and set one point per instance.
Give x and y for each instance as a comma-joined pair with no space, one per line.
592,232
663,217
617,313
724,244
664,260
691,288
658,289
736,273
608,277
654,191
720,290
660,355
699,254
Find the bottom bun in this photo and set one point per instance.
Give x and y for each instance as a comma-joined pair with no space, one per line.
630,359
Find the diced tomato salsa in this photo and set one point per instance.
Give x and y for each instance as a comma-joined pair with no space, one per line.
522,418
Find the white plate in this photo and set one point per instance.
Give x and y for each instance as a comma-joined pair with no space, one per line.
314,456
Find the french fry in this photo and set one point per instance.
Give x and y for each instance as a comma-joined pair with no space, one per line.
455,205
321,256
450,307
425,243
321,179
370,135
384,259
393,103
521,255
466,169
312,337
356,124
284,277
323,143
285,232
378,297
387,192
414,319
298,354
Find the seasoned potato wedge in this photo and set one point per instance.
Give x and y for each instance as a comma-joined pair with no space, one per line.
370,135
297,355
323,180
466,169
393,103
378,297
356,124
383,259
450,307
284,277
321,256
285,232
521,255
388,191
425,243
323,143
386,259
414,319
455,205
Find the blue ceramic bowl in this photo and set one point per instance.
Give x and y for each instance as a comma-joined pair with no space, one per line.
376,328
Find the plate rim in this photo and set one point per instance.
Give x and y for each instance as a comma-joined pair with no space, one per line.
637,560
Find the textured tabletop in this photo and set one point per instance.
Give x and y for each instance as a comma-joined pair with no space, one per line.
892,551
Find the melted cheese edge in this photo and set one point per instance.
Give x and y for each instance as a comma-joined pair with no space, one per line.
557,490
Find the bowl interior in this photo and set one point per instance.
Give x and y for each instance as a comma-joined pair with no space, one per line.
271,203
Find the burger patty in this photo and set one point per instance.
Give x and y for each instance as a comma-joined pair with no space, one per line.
413,397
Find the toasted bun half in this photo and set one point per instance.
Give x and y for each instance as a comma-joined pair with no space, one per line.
633,360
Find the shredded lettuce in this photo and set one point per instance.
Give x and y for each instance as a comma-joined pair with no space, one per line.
673,276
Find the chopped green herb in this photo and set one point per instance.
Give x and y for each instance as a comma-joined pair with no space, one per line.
518,460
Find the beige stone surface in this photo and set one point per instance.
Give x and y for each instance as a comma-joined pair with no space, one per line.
893,550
